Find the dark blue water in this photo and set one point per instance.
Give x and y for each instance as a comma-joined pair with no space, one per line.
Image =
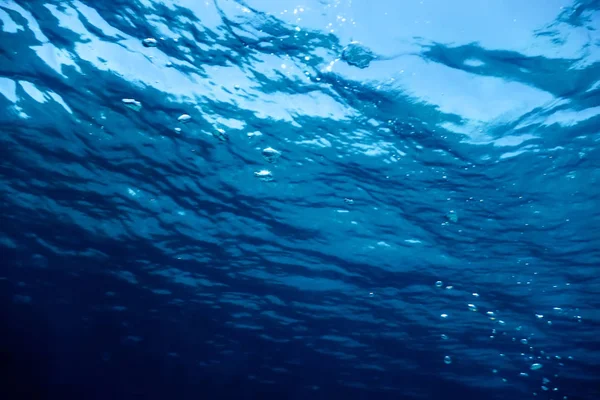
292,199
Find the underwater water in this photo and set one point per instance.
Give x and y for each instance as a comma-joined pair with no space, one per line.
291,199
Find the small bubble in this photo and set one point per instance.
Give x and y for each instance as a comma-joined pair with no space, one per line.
221,134
444,315
444,337
357,55
535,366
524,374
524,341
439,284
472,307
133,104
452,216
447,360
264,175
149,42
184,118
270,154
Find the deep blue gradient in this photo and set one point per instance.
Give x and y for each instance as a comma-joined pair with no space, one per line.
424,224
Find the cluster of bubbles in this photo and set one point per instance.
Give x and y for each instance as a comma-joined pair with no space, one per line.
533,362
357,55
269,154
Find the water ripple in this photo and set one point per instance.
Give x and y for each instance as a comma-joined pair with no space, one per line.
462,147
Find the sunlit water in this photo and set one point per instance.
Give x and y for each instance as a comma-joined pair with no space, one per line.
291,199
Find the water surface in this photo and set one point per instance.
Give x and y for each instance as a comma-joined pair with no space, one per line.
300,199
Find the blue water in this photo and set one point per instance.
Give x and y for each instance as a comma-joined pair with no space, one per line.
292,199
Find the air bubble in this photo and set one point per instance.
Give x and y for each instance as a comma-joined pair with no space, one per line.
264,175
183,118
221,135
357,55
270,154
133,104
149,42
452,216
